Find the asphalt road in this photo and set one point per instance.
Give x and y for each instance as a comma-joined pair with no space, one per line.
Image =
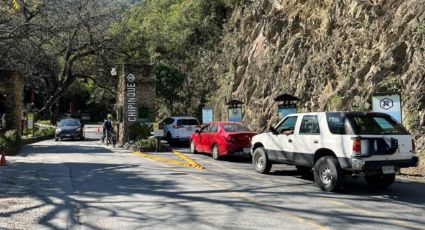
85,185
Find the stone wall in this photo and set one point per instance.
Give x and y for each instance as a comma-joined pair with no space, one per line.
11,85
145,90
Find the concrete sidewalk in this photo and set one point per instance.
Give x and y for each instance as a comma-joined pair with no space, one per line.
36,194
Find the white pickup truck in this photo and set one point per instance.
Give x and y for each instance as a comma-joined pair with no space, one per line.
335,144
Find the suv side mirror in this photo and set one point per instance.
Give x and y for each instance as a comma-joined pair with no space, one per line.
273,130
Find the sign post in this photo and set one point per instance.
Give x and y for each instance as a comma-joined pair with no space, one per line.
158,133
389,103
30,122
287,104
235,111
207,115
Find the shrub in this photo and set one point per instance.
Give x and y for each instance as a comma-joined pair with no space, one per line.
42,132
10,142
44,122
137,131
335,102
145,145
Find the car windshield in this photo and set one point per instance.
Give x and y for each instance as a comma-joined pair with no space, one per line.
376,124
235,128
69,122
187,122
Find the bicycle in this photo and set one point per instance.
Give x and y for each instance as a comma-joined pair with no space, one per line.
111,138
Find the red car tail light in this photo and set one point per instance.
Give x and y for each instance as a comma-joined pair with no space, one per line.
357,147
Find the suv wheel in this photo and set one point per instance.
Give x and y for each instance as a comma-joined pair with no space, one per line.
381,181
328,174
193,147
260,161
215,153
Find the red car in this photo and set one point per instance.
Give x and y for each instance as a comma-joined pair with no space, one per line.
221,139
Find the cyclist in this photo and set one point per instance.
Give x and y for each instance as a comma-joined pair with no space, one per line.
107,128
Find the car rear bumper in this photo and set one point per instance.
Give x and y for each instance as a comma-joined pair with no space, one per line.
358,164
71,136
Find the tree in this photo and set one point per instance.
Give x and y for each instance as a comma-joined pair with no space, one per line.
55,43
168,85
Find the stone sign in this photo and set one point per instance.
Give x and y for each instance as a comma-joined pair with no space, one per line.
136,98
131,98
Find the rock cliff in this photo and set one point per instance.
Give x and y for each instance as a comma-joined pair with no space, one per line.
332,54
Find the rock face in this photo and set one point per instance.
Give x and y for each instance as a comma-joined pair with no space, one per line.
332,54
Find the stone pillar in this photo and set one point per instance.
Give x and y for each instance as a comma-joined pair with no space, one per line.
12,85
136,97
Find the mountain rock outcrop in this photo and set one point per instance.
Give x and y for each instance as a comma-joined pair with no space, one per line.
332,54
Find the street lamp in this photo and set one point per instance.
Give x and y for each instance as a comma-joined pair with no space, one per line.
114,71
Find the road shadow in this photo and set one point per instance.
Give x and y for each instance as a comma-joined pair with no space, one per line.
62,149
99,187
401,191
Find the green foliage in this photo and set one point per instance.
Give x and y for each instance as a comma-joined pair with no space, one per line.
44,122
10,142
392,83
421,29
138,131
44,132
412,119
360,107
145,145
168,85
335,102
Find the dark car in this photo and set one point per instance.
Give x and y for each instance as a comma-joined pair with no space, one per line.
69,128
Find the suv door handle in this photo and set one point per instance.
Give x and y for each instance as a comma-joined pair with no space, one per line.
316,142
290,140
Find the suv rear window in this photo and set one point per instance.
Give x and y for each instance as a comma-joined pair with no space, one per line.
336,123
376,124
187,122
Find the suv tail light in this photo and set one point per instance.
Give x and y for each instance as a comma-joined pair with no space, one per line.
357,147
413,146
177,126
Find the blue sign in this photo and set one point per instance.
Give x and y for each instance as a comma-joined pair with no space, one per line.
207,115
235,114
389,104
285,110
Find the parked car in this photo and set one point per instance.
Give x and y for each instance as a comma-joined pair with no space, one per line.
221,139
71,128
373,145
179,128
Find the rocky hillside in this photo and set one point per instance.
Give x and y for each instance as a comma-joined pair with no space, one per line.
332,54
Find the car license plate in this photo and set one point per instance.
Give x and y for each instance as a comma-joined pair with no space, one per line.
246,150
388,169
189,129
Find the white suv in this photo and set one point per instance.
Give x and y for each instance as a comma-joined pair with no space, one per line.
179,128
338,143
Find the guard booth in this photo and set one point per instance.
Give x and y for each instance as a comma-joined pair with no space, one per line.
235,111
287,104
